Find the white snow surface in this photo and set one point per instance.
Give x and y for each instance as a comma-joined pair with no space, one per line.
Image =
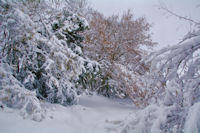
93,114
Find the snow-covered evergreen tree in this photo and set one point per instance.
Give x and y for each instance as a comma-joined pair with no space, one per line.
41,46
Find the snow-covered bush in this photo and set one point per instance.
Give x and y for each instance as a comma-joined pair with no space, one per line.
40,43
13,94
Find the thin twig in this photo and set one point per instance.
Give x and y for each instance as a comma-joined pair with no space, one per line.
179,16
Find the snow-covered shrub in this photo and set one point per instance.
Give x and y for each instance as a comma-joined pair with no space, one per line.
42,46
89,80
14,95
103,81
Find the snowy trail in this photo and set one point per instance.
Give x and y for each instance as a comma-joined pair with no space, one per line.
93,114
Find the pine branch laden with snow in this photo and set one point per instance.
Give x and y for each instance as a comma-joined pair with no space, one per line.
173,88
41,45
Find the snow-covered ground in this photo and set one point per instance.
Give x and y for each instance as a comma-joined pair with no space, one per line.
93,114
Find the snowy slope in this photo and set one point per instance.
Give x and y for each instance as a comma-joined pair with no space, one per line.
93,114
